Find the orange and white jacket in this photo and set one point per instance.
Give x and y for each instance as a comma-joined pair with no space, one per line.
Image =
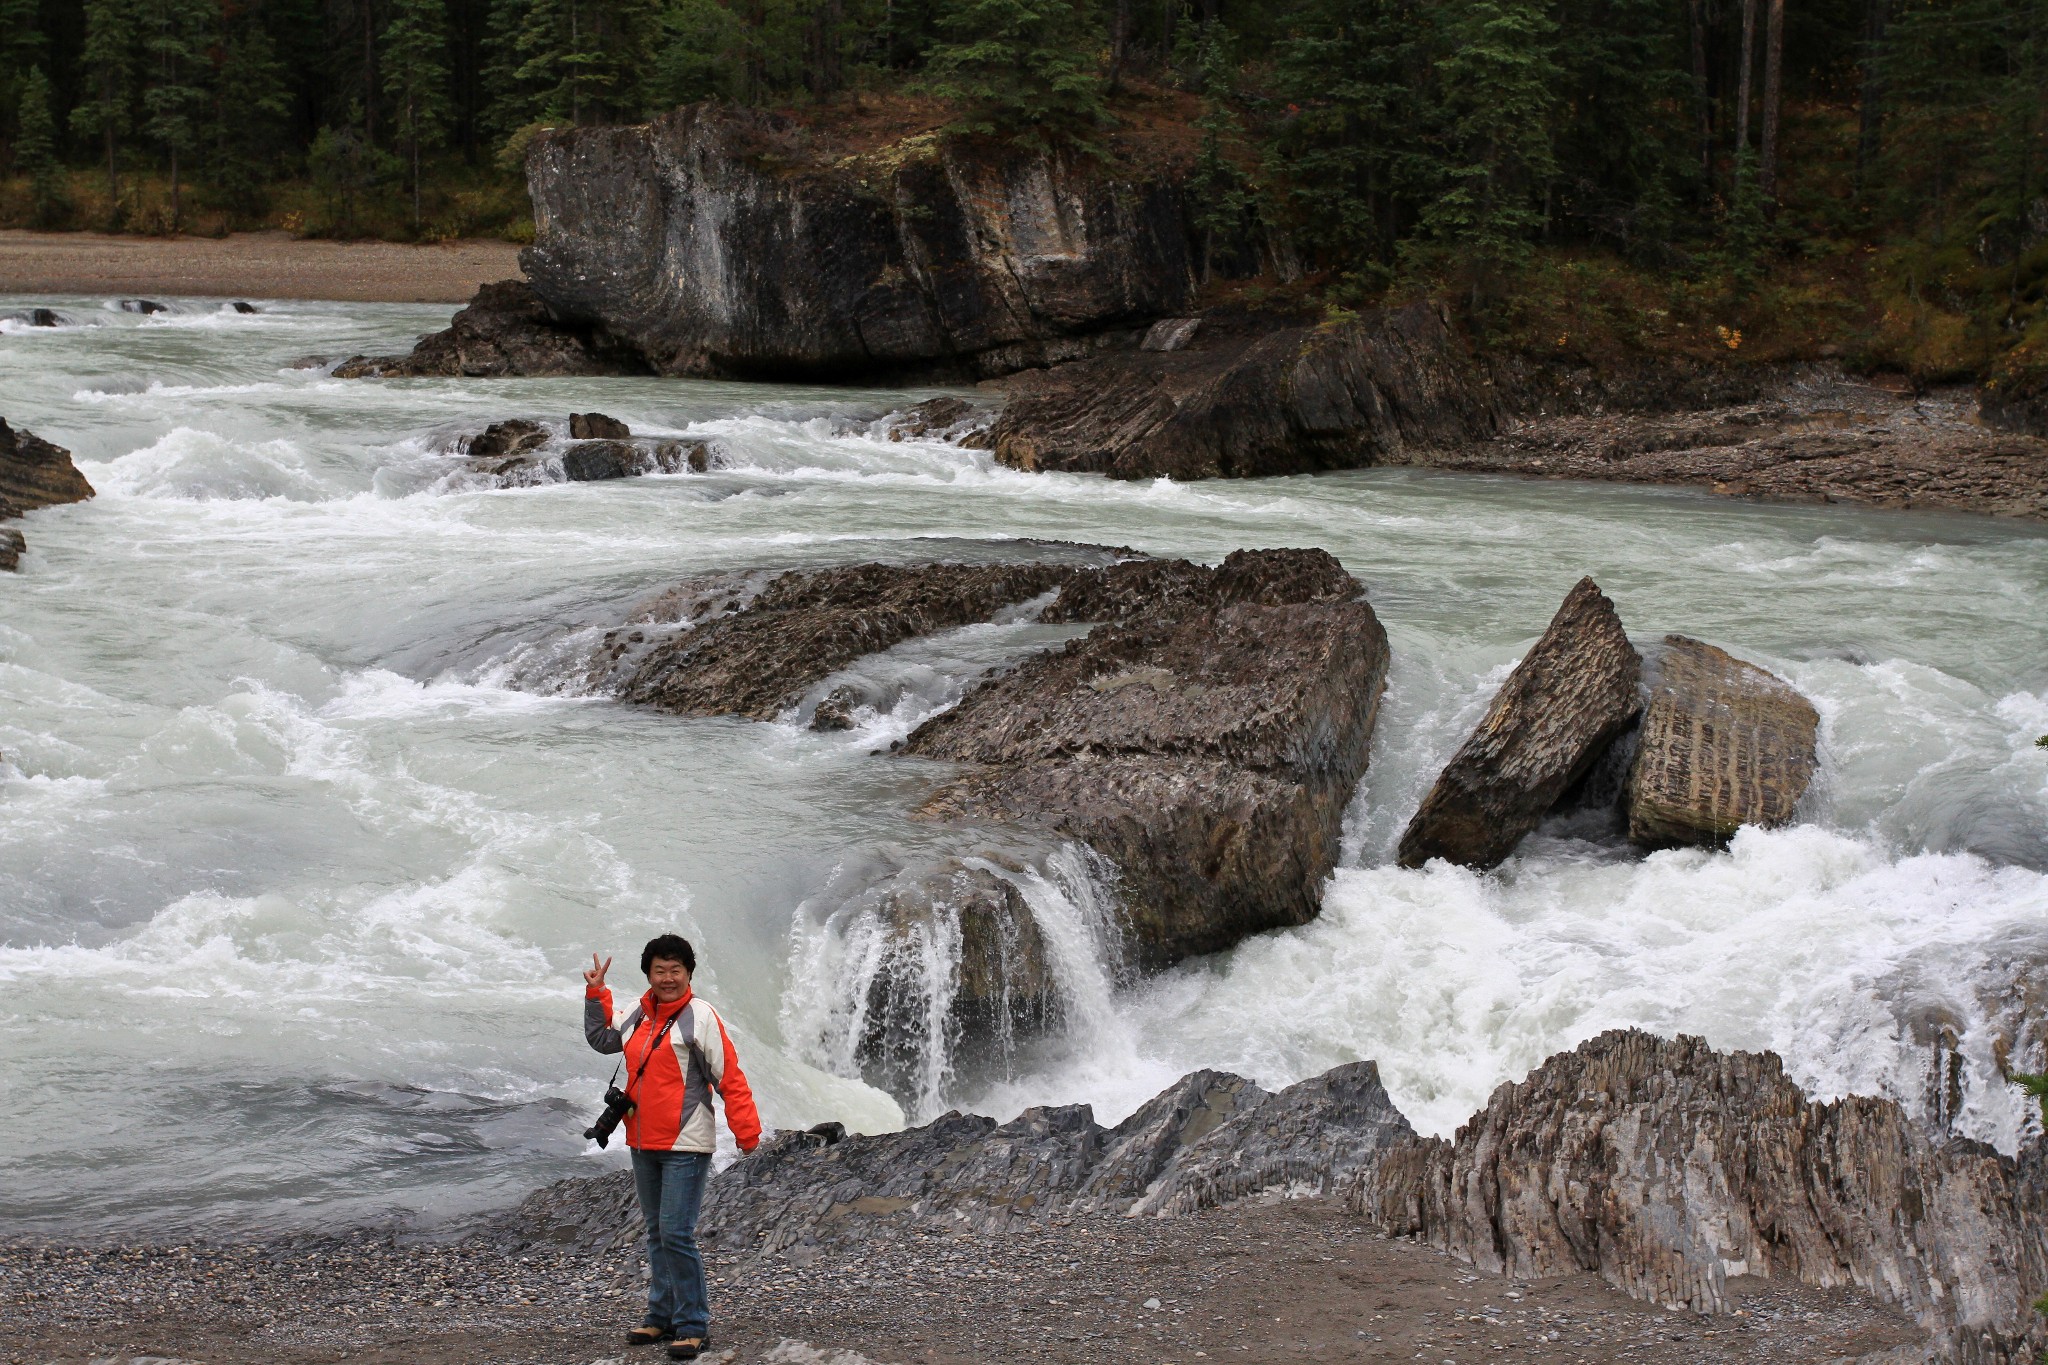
672,1097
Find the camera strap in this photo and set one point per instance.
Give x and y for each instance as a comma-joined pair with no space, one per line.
659,1033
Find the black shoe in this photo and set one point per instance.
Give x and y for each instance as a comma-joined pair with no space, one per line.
689,1348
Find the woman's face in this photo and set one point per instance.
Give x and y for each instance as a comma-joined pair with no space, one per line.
670,979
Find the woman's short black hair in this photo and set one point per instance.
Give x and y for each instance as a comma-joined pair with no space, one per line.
670,947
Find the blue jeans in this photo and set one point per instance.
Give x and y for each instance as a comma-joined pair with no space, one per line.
670,1186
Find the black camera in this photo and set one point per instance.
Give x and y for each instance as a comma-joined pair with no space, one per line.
616,1107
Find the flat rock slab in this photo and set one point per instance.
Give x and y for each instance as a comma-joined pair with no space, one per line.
1723,744
1567,700
505,331
1206,747
1240,398
757,660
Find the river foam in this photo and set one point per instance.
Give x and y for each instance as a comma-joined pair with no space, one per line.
306,828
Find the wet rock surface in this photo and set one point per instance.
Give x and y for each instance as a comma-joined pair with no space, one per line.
717,241
1206,748
34,473
506,331
1722,744
1671,1169
758,659
1816,437
1571,695
1244,397
588,461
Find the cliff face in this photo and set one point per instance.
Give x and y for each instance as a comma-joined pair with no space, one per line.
714,243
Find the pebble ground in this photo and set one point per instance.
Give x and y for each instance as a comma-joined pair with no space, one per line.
1283,1282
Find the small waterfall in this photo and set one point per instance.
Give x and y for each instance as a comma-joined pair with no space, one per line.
876,980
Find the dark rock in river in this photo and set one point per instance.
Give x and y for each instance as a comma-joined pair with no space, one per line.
144,306
758,661
1207,751
1249,397
936,417
241,306
43,317
33,473
586,461
713,241
514,437
1723,744
595,426
1571,695
1670,1168
505,331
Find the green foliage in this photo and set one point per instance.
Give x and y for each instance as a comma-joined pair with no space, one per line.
249,129
1496,153
347,168
176,70
1347,153
35,147
586,61
1221,194
416,79
108,63
1026,68
700,56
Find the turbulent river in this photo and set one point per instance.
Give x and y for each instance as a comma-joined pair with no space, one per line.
304,834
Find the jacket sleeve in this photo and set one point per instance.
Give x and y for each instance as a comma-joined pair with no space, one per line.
739,1100
597,1020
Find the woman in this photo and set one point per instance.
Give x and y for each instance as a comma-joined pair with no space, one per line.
676,1054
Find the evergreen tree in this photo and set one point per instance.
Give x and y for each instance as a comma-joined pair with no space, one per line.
1353,74
1222,198
251,112
416,79
35,147
109,60
588,60
1498,79
1623,136
21,51
177,74
1022,67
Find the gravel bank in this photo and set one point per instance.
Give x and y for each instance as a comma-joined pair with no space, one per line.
251,265
1254,1282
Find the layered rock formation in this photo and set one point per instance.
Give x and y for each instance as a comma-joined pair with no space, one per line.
1669,1168
33,473
1567,700
758,660
1723,744
1666,1167
1246,397
1206,751
507,330
717,241
1210,1139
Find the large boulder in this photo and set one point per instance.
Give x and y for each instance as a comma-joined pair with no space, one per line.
1566,701
1723,744
507,330
1249,397
1207,752
758,659
1670,1169
33,473
720,241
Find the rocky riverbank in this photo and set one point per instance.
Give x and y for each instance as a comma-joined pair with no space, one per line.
33,473
1635,1199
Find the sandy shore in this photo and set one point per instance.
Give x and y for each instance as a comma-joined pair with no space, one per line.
1263,1284
260,265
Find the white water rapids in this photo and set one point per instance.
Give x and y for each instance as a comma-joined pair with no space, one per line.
300,853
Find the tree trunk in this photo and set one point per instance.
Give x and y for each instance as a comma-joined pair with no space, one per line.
1774,62
176,205
1703,103
369,73
1870,111
1742,74
1119,41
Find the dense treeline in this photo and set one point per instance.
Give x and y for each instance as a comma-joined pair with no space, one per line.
1382,136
